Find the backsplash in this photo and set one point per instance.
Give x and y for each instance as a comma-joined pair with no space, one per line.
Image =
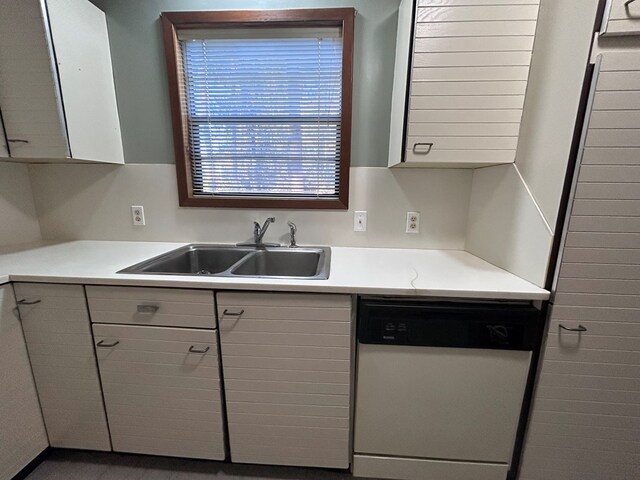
92,202
18,221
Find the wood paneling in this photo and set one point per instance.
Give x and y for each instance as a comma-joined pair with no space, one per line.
287,364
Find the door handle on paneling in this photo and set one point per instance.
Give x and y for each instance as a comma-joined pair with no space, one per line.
424,152
232,314
107,345
148,309
24,301
578,329
193,349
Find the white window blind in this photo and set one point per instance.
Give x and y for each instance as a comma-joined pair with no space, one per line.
263,109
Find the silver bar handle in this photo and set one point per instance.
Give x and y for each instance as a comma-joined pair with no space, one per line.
232,314
148,309
102,344
417,151
579,328
24,301
628,2
193,349
17,140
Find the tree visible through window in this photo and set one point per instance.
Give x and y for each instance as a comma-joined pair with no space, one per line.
261,117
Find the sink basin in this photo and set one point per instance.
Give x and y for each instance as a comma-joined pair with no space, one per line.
282,263
231,261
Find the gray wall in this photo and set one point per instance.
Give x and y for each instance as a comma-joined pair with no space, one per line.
141,83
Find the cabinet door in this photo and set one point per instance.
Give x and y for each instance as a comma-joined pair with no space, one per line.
29,89
621,17
58,334
23,435
162,390
470,65
287,371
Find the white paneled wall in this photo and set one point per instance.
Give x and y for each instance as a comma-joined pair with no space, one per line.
18,219
586,418
469,75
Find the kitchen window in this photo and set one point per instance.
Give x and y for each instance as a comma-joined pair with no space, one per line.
261,106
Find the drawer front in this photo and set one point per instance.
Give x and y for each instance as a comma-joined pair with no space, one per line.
58,335
152,306
621,19
287,366
162,390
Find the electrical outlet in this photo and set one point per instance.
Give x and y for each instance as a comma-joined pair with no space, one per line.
413,222
360,221
137,215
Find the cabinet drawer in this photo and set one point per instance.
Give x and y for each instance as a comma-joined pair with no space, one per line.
167,402
621,19
151,306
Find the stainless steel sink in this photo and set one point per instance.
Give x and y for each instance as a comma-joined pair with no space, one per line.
232,261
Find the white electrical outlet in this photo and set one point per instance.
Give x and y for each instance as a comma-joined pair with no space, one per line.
137,215
360,221
413,222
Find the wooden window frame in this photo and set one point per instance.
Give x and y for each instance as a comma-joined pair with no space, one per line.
174,21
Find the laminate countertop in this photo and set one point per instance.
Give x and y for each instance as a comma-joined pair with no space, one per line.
374,271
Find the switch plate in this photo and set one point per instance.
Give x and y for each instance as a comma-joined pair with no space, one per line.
360,221
137,215
413,222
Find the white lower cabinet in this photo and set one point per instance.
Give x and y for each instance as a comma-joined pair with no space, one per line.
57,331
22,432
287,372
162,390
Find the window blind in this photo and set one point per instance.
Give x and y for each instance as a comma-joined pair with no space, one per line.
263,110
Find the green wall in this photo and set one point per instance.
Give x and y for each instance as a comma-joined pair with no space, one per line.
141,83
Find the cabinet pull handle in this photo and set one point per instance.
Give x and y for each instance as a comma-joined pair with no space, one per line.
24,301
422,152
102,344
628,2
148,309
233,314
579,328
193,349
17,140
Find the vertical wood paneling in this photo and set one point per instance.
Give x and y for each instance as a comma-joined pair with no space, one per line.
58,335
469,56
584,423
287,369
23,435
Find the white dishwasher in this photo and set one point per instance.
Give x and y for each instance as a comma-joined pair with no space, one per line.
440,387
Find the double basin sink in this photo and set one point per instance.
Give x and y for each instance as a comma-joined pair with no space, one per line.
310,263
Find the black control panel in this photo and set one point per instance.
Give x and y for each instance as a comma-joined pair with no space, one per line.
503,326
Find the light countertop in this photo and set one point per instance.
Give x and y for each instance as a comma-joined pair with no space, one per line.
380,271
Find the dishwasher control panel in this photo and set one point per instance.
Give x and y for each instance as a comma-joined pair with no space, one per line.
449,324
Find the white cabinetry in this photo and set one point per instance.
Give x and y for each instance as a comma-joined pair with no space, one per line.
57,94
23,434
161,383
287,371
162,390
58,335
621,17
469,69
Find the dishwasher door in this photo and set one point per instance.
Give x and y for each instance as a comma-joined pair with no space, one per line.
441,383
441,403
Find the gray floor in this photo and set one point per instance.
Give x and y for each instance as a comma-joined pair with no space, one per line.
76,465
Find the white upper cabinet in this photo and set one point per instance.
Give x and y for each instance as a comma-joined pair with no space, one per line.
461,103
621,17
57,94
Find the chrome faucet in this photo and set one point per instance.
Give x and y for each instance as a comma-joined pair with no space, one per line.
258,231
